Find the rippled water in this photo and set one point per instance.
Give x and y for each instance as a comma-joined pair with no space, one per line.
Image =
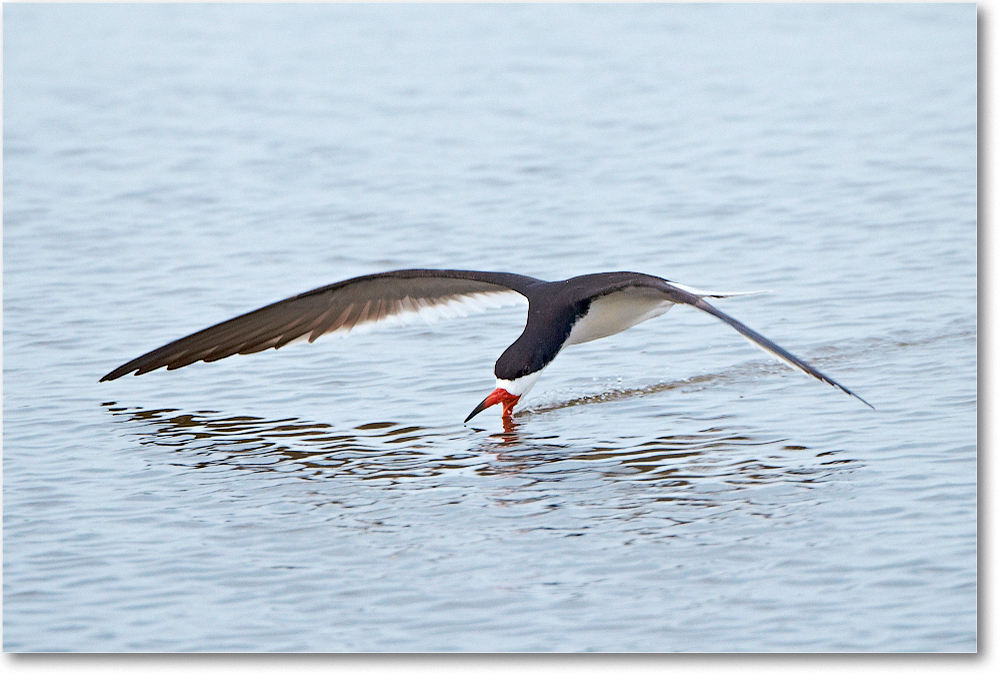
666,489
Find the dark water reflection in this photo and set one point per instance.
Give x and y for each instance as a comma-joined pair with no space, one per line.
391,451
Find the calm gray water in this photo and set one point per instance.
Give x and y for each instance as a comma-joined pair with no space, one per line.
666,489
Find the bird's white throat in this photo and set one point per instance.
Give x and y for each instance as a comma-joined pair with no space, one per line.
520,386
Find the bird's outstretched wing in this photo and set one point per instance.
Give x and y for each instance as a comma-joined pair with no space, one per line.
673,292
339,307
770,346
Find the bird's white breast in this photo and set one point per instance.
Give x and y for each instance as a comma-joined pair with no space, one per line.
616,312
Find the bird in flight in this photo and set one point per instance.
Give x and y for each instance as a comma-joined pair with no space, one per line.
560,314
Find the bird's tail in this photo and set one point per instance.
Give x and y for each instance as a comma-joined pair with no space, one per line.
701,293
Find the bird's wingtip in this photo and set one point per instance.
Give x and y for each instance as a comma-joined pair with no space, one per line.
863,401
853,394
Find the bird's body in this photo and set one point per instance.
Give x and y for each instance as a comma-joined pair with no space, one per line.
560,314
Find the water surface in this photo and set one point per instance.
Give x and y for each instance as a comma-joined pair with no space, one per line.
667,489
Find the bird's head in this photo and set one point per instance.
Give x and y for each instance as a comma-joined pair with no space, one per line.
508,393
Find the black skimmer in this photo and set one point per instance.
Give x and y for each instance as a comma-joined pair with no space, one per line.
563,313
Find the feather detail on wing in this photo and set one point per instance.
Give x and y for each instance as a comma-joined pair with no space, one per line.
392,297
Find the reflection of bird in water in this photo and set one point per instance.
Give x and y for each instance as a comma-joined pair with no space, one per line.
563,313
211,439
393,451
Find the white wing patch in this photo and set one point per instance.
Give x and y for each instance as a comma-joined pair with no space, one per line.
410,310
616,312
